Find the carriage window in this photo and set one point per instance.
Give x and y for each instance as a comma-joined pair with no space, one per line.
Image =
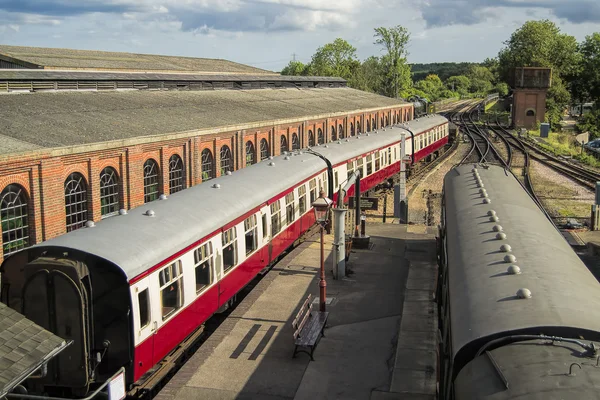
228,239
369,164
350,167
359,167
264,225
313,191
171,289
275,218
203,266
389,160
335,179
251,234
302,199
290,211
144,303
377,160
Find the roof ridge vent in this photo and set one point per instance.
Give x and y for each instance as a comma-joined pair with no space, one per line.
524,293
122,211
90,224
216,186
271,164
150,213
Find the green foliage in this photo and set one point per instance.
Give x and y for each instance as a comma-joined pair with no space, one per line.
334,59
539,44
432,86
443,70
369,76
295,68
591,123
502,89
395,71
460,84
586,85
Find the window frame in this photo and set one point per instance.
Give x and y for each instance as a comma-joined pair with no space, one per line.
229,238
171,274
251,225
290,209
302,200
205,250
275,209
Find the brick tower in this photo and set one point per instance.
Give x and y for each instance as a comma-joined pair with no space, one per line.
530,85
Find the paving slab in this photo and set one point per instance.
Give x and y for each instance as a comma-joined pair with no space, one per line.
250,355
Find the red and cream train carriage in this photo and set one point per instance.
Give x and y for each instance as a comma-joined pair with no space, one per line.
131,288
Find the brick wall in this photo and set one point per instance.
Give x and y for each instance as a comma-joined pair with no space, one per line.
42,178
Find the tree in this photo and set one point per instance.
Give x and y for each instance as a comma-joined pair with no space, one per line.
587,86
396,72
502,89
541,44
294,68
432,86
335,59
368,76
459,83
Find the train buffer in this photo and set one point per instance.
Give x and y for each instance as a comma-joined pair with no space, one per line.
309,327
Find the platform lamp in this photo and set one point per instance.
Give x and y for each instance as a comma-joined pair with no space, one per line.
322,206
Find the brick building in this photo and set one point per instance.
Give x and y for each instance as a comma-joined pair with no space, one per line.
79,145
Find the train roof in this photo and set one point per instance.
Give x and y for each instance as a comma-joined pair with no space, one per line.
136,242
483,295
423,123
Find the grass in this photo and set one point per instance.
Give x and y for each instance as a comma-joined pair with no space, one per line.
490,105
563,144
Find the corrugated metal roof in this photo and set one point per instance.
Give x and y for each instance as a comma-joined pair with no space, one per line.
24,346
106,60
483,296
35,74
30,121
135,242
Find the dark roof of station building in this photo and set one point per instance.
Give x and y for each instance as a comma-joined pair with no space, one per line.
65,122
24,347
70,59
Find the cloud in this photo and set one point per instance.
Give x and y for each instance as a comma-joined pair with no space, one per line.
204,16
64,7
469,12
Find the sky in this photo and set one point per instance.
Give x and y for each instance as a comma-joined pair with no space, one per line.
269,33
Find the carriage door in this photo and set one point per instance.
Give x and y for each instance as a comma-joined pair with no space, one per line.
55,298
266,244
144,325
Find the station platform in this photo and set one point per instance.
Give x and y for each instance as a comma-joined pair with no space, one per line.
379,340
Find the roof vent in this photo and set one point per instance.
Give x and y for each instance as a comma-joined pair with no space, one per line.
149,213
491,212
347,140
228,173
524,293
122,211
513,270
510,258
501,236
494,219
368,134
486,201
482,191
270,157
271,164
162,197
216,186
286,158
339,142
497,228
505,248
474,169
90,224
326,146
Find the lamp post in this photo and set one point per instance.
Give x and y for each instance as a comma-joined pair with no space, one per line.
321,206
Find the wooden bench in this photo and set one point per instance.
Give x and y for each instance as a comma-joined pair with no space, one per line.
308,326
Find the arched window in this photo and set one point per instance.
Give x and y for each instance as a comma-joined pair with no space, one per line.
283,144
394,119
264,149
357,127
295,142
341,131
75,201
387,121
250,153
207,165
382,122
311,138
176,176
333,134
351,129
109,192
150,180
226,161
373,124
320,136
530,113
368,125
14,214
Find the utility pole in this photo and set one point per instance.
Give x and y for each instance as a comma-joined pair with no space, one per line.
294,57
